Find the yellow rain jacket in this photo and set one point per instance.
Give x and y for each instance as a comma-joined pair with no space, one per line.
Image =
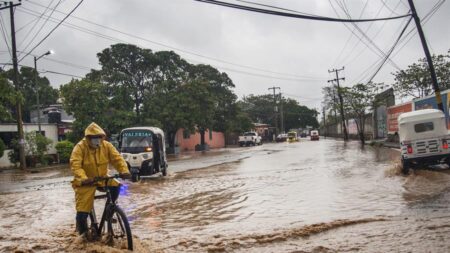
88,162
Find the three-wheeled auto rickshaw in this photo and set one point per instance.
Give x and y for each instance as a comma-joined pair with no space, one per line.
292,136
144,150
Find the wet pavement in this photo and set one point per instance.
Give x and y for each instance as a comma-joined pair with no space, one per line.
323,196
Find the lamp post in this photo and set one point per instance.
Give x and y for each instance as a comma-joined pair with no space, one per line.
37,87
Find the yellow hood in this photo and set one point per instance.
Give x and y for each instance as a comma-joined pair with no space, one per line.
94,129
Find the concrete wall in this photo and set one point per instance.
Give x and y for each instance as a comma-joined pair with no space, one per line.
188,144
51,132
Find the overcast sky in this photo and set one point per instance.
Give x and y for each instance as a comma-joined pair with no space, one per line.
256,50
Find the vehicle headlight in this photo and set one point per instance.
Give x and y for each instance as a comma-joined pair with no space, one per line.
145,156
125,156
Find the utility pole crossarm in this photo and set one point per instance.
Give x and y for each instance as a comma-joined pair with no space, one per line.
341,100
275,106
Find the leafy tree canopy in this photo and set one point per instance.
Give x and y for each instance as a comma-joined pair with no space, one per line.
415,81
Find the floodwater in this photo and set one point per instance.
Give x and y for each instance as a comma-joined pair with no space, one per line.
323,196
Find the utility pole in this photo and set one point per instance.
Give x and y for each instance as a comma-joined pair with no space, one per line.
341,100
275,107
428,55
324,123
11,6
281,113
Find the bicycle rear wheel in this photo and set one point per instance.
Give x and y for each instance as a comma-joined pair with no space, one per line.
119,228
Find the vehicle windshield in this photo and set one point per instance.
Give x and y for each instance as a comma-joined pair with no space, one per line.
249,134
291,134
135,141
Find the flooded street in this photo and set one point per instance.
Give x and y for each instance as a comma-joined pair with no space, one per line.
325,196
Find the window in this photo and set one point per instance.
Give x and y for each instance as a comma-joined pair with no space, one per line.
210,134
424,127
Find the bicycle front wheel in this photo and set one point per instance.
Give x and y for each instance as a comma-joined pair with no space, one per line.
119,230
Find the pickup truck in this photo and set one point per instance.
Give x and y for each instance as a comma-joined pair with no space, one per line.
250,138
424,139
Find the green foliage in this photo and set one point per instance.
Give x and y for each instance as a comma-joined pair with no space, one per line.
64,150
129,72
136,86
7,99
416,81
2,148
261,109
47,94
359,100
36,147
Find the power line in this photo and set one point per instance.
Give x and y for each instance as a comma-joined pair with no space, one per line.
46,71
413,31
219,67
35,24
351,35
4,33
373,37
277,8
390,51
291,15
161,44
364,35
40,42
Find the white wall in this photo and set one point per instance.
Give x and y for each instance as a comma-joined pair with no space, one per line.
51,132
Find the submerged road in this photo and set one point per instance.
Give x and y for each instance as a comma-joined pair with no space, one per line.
323,196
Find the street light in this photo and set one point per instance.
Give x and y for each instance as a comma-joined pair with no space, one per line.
37,87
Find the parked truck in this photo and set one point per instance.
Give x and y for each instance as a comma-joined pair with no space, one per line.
250,138
424,139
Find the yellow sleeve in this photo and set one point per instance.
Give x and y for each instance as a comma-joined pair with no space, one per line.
117,160
76,161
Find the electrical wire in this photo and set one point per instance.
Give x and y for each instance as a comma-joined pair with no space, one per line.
390,51
365,35
42,40
292,15
5,34
413,31
45,71
275,7
165,45
373,37
350,36
35,24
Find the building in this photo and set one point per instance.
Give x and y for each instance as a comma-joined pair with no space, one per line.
8,132
54,114
187,141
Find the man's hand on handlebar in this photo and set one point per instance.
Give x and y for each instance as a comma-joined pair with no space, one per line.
125,176
88,181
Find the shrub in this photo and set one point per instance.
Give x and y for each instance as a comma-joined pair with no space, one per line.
2,148
64,149
36,147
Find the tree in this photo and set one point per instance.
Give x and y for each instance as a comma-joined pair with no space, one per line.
219,95
129,73
359,100
47,94
7,100
261,109
416,81
94,105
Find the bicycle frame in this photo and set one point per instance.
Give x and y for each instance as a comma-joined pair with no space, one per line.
109,205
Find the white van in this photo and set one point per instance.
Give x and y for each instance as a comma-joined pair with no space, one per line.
424,138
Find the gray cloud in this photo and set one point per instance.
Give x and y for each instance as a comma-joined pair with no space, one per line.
298,47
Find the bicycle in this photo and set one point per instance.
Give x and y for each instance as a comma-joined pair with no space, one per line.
117,225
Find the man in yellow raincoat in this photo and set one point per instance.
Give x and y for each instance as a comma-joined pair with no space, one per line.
90,159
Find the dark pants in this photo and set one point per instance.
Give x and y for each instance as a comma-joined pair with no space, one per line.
81,217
